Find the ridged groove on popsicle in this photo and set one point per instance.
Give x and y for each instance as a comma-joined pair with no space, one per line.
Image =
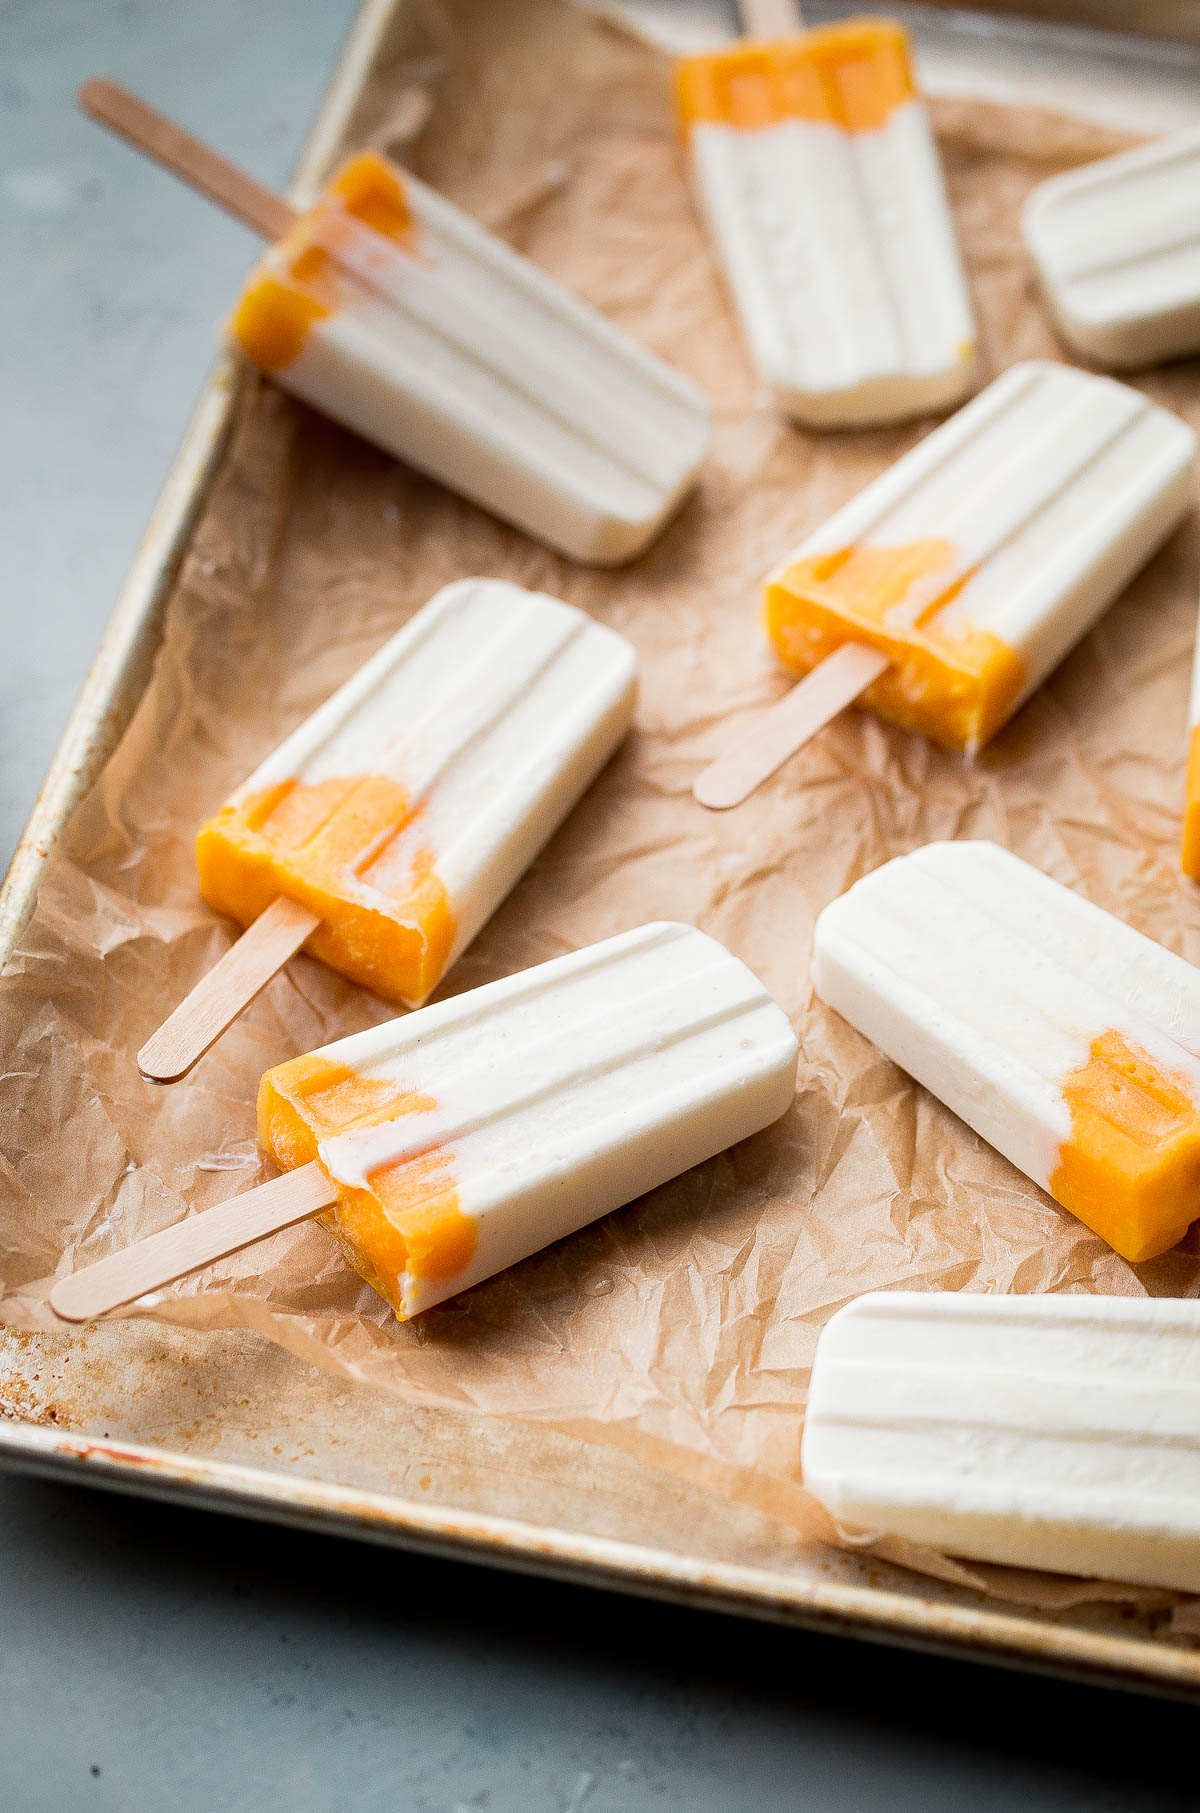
854,76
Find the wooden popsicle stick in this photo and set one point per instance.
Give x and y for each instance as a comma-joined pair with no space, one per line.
173,1252
186,157
229,987
832,685
770,18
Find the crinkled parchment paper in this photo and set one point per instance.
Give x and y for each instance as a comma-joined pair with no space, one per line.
683,1327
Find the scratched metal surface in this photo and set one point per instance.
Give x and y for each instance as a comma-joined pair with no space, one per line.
230,1422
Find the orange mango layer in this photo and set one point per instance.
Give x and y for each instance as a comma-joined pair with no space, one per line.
1190,857
1130,1170
954,684
853,75
318,844
280,304
408,1220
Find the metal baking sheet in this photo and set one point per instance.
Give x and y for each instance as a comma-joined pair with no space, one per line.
233,1423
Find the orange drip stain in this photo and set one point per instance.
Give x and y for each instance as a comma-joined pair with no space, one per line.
299,285
329,845
372,189
1190,853
953,683
1130,1170
854,76
408,1221
273,319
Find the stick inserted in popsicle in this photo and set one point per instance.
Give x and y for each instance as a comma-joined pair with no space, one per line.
456,1141
817,173
389,826
190,1245
963,574
397,315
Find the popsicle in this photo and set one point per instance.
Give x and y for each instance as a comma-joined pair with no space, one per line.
1116,246
944,593
450,1144
1190,852
1057,1432
386,829
819,180
394,313
1065,1038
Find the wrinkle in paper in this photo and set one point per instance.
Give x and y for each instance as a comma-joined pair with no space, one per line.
683,1327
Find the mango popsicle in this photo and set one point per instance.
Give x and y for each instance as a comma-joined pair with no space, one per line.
394,313
1066,1039
955,582
819,179
401,813
454,1142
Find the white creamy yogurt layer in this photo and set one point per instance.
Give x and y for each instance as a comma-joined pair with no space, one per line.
1057,1432
566,1091
840,254
466,361
1116,246
493,709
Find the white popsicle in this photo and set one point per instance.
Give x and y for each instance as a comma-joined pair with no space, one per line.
819,179
454,1142
1189,855
387,828
945,592
393,312
396,314
409,804
478,1130
1063,1037
984,554
1056,1432
1116,246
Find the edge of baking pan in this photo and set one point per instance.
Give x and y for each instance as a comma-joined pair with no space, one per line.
1178,19
876,1614
109,695
118,674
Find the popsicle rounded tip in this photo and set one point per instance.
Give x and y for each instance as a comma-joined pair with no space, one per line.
95,92
69,1303
716,791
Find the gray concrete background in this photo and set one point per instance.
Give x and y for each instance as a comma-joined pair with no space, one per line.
151,1658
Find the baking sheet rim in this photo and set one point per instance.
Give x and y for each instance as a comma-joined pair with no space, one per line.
116,677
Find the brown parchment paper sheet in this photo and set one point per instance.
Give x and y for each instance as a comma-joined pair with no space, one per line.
682,1328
